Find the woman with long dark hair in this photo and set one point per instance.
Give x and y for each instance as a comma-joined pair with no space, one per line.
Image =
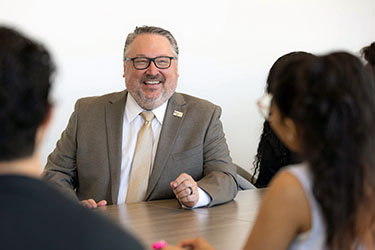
323,108
272,154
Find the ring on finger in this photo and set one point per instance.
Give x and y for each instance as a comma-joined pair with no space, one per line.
191,191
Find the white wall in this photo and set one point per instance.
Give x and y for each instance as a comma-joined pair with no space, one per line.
226,48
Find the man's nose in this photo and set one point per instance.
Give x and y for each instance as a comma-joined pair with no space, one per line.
152,69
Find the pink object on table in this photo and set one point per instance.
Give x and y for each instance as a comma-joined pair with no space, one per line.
159,244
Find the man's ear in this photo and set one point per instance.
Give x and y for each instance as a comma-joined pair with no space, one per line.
178,74
125,69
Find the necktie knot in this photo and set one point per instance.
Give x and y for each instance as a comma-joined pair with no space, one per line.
148,116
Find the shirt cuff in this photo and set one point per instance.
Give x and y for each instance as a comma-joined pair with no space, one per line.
203,200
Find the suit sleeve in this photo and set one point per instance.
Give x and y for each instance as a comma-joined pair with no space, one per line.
61,169
219,179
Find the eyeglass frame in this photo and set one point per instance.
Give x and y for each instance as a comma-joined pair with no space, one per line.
151,60
264,105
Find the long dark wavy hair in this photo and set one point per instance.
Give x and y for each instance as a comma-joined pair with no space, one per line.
331,99
268,137
281,151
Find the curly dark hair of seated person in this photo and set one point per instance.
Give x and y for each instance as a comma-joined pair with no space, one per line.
269,144
272,154
369,54
331,100
25,80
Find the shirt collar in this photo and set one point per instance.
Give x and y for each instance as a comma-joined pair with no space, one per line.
132,110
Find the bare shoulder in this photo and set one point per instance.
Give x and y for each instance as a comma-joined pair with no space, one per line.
287,192
283,214
285,185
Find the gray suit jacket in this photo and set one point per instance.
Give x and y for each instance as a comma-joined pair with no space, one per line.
87,158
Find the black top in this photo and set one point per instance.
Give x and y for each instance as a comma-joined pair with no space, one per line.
33,215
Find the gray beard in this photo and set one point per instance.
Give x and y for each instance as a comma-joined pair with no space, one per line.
150,104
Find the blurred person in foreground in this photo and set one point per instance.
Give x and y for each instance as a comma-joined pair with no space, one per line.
323,108
272,155
34,215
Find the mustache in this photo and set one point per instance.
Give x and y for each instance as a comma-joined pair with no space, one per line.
153,78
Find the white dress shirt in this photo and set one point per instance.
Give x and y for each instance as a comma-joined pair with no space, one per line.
132,123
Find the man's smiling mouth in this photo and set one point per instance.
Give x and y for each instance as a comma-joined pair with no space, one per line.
152,82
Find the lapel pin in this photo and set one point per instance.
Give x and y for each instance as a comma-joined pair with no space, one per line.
177,113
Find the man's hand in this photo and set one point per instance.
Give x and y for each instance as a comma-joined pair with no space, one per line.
90,203
186,190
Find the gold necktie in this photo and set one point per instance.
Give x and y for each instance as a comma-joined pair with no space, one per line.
141,166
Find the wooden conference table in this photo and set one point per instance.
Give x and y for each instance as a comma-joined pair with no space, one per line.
225,226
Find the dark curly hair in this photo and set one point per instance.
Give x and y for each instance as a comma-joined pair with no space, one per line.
369,54
331,99
25,80
272,154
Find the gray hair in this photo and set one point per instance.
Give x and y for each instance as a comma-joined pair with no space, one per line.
150,30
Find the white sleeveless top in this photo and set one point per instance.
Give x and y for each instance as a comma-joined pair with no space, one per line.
315,238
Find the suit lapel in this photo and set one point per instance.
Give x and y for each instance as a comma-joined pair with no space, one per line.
169,131
114,113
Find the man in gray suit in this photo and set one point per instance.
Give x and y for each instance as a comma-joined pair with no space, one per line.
190,158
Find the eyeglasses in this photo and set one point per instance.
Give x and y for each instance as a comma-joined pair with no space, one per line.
264,105
161,62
